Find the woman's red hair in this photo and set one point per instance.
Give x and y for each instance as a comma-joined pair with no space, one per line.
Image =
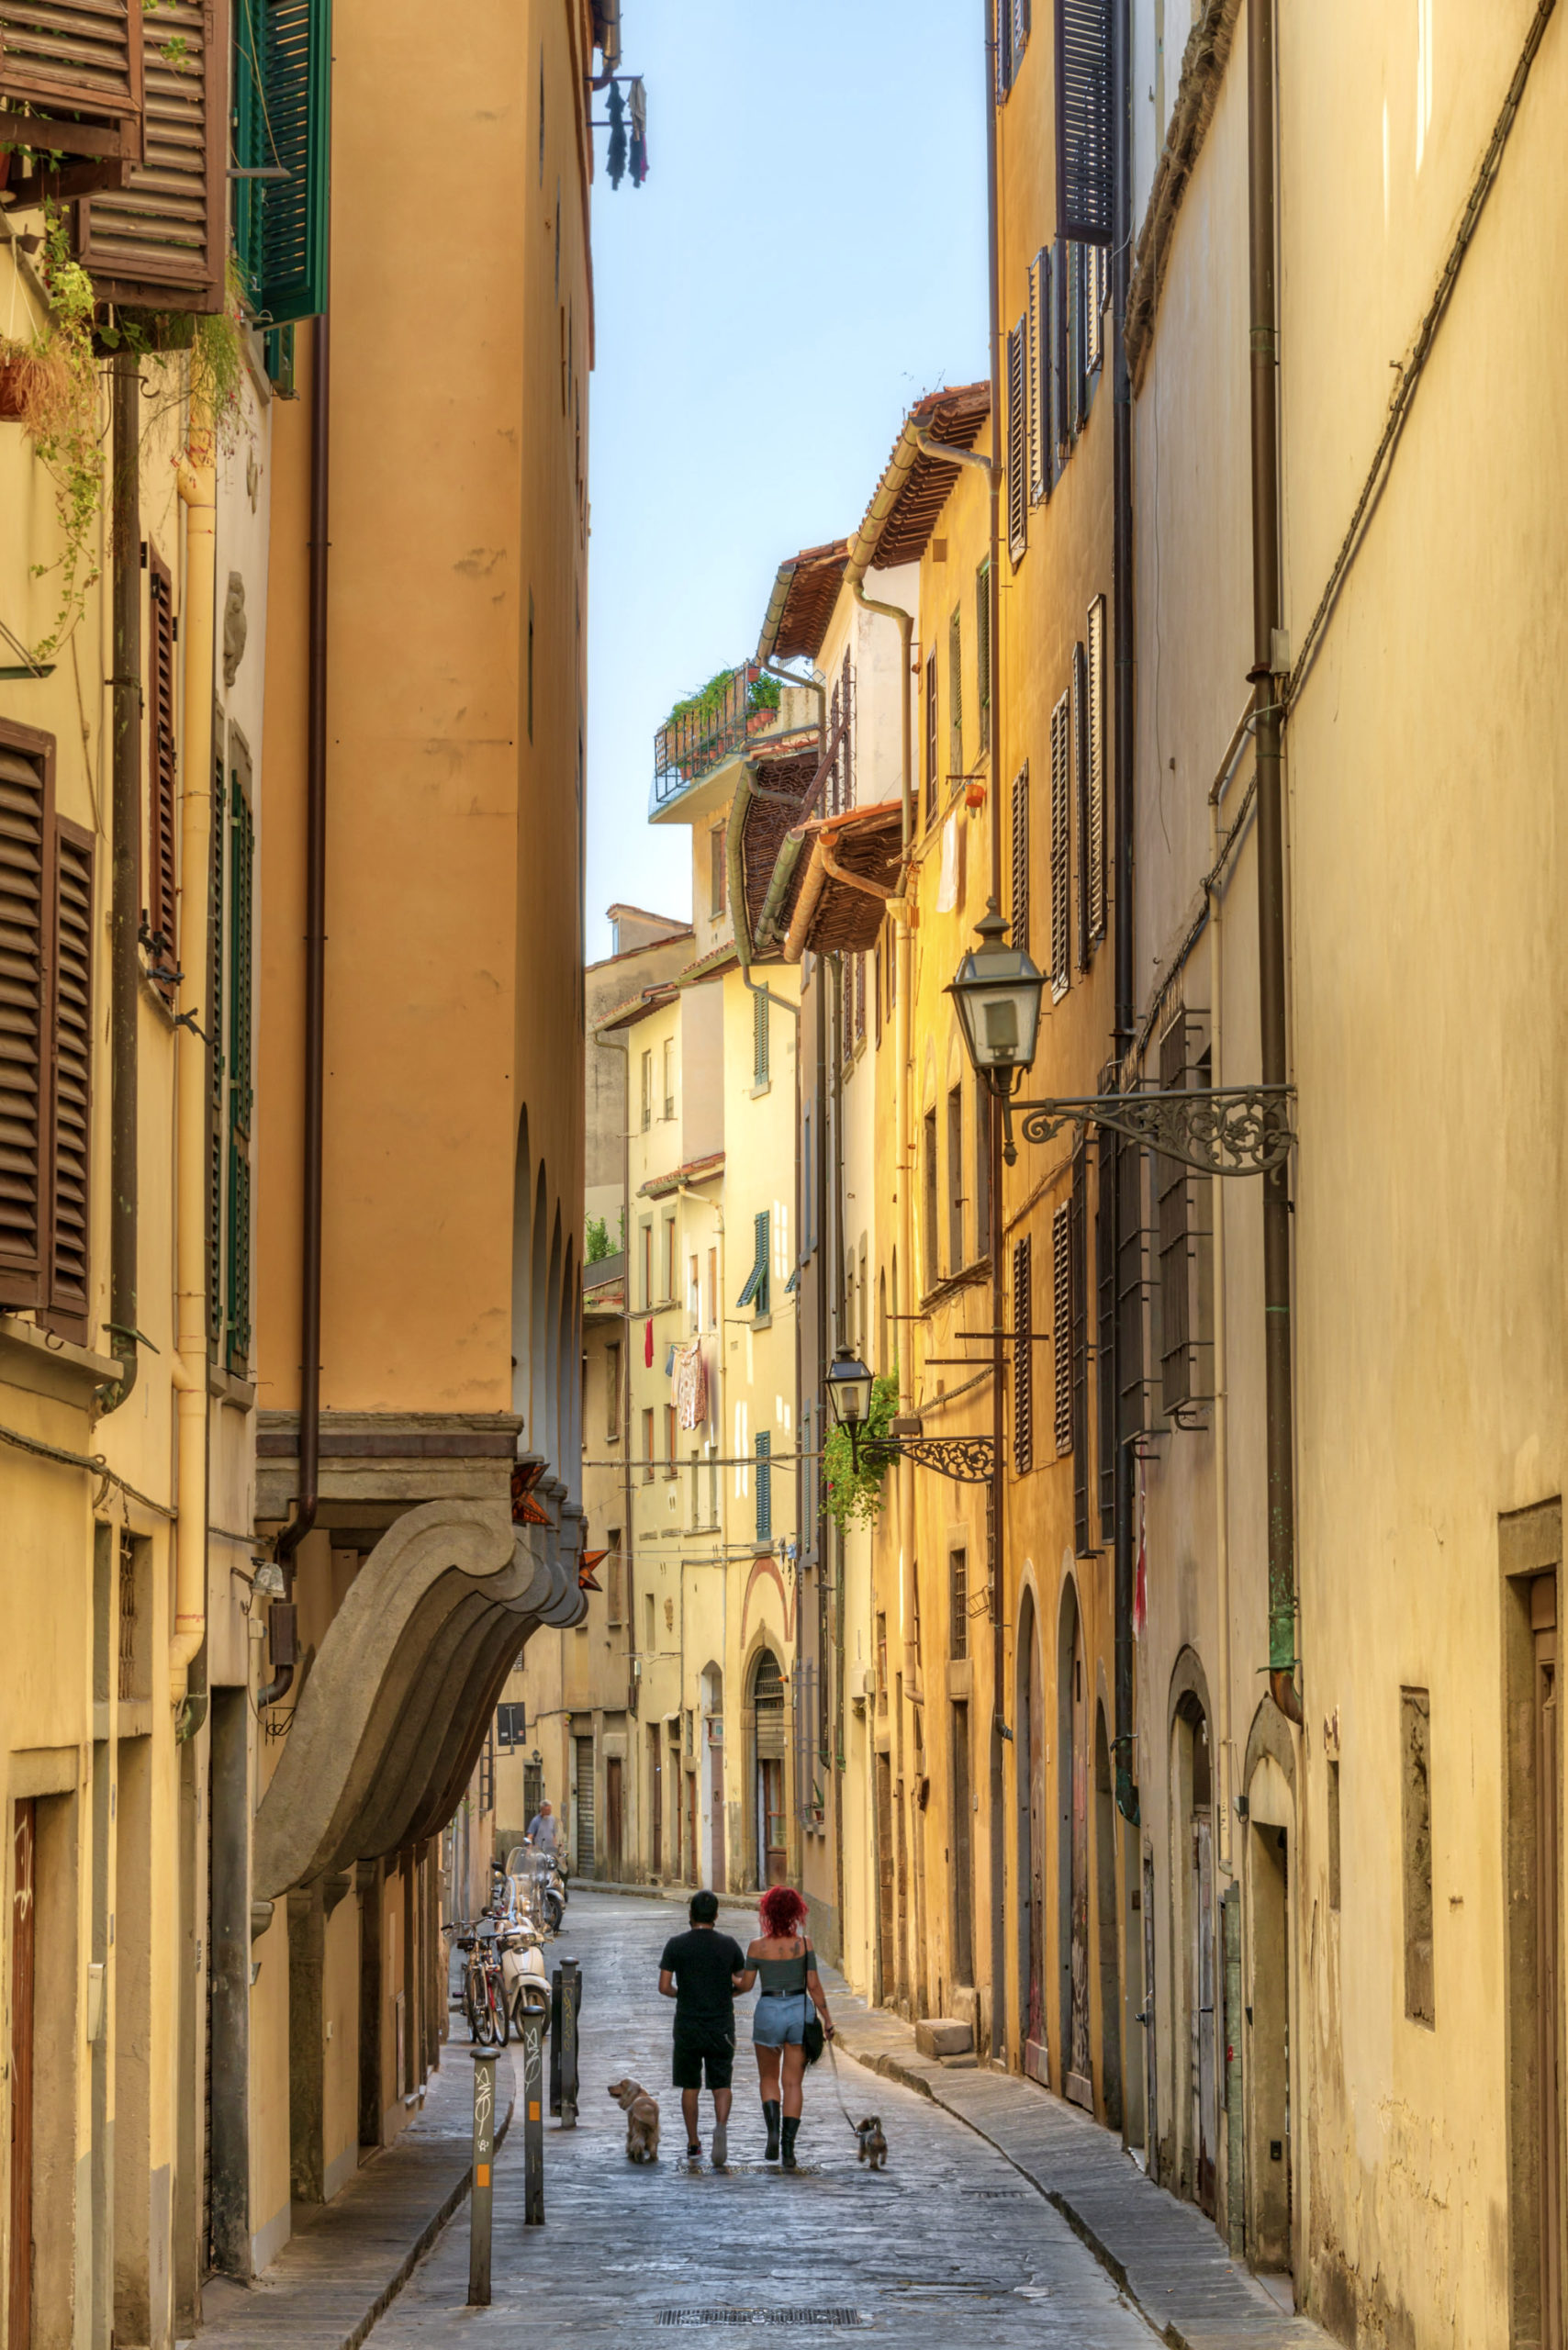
783,1911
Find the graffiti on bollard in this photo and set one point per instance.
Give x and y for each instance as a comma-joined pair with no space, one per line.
533,2124
481,2198
569,1976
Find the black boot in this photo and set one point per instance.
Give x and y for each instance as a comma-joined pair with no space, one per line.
770,2112
791,2128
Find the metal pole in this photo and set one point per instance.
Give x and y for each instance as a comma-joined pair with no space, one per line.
480,2200
571,1999
125,872
533,2124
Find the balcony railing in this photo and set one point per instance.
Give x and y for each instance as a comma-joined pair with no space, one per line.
717,724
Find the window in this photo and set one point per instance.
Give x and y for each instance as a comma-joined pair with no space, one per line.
716,872
712,1313
759,1038
672,1439
1061,418
1416,1781
933,1259
1012,40
647,1091
511,1725
1061,847
982,652
648,1449
163,880
668,1288
1080,792
958,1599
956,694
1019,929
669,1081
756,1293
1062,1316
613,1394
1092,837
931,736
956,1178
1078,1253
1022,1359
693,1294
650,1625
764,1488
646,1229
1017,440
983,1168
1041,443
1084,124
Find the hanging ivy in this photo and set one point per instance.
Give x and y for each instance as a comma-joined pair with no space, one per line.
854,1494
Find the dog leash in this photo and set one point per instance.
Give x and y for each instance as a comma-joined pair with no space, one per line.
839,2093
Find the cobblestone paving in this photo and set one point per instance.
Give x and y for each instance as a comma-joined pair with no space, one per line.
949,2246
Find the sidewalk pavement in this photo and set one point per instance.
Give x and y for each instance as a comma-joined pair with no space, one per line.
1162,2253
348,2259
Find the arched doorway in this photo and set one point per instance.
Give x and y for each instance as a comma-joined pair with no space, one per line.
768,1744
1270,1890
1105,1921
1030,1715
714,1775
1192,1944
1073,1851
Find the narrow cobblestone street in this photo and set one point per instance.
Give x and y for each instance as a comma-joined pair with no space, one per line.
948,2243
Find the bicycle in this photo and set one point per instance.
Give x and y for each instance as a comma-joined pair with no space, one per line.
484,1997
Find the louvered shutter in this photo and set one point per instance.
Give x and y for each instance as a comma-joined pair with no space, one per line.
756,1291
1003,12
1023,1360
71,1089
931,736
1096,268
764,1488
759,1038
982,651
1017,438
1092,846
1039,376
1020,930
1080,792
955,695
158,242
76,67
241,1097
1061,410
1061,1332
1062,847
1078,1253
283,65
162,898
1077,371
1083,125
27,793
215,1056
1105,1329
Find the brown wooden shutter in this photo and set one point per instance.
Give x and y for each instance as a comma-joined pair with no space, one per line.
71,1092
1022,1359
1175,1291
1084,124
163,900
1080,793
1062,847
216,936
1105,1328
1020,932
1079,1257
1061,1330
75,66
159,242
1039,376
1018,440
27,810
1092,846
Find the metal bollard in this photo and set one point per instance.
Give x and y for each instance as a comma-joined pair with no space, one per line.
481,2197
571,2001
533,2124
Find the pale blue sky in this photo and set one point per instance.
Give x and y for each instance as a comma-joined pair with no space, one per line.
807,256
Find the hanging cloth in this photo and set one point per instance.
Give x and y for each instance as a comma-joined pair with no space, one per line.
648,1346
692,1387
947,884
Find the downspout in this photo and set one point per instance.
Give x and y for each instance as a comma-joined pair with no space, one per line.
627,1534
125,969
308,1499
1121,622
1279,1403
197,485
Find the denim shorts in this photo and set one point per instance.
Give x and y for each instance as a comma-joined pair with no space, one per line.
780,2019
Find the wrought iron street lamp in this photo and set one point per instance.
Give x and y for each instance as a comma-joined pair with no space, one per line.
998,991
967,1460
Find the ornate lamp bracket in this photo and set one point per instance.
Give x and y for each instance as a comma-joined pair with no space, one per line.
1226,1130
967,1460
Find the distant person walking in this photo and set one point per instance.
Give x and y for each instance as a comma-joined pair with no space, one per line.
542,1829
785,1962
701,1971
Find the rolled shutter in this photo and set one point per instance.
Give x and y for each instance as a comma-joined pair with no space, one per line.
76,67
71,1092
283,65
27,792
162,888
1083,125
158,242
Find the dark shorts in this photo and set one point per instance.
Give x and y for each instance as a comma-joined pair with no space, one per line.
700,2049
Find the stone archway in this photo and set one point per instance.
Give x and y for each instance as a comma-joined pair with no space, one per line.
769,1820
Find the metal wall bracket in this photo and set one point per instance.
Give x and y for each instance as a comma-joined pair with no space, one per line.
967,1460
1227,1130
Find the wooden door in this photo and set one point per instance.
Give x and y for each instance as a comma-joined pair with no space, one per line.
774,1858
23,1911
963,1853
1548,1912
1079,2082
1036,2062
614,1819
1150,2110
1205,2117
716,1798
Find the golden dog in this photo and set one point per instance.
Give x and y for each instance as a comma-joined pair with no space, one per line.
642,2114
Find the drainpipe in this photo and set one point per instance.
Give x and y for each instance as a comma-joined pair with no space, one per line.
196,486
125,969
282,1620
624,1049
1279,1403
1121,623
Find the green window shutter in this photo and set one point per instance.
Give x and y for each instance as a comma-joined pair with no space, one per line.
283,67
756,1291
241,861
764,1489
759,1038
215,967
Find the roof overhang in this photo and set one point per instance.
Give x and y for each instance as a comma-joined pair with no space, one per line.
848,867
799,610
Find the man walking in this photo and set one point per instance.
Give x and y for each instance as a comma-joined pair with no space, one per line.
542,1829
697,1971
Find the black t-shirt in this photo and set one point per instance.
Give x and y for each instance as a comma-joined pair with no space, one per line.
702,1962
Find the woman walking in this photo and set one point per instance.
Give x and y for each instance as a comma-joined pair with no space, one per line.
784,1962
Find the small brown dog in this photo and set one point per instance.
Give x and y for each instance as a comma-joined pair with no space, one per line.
873,2145
642,2114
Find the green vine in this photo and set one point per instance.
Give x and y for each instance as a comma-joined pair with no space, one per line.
56,387
855,1495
